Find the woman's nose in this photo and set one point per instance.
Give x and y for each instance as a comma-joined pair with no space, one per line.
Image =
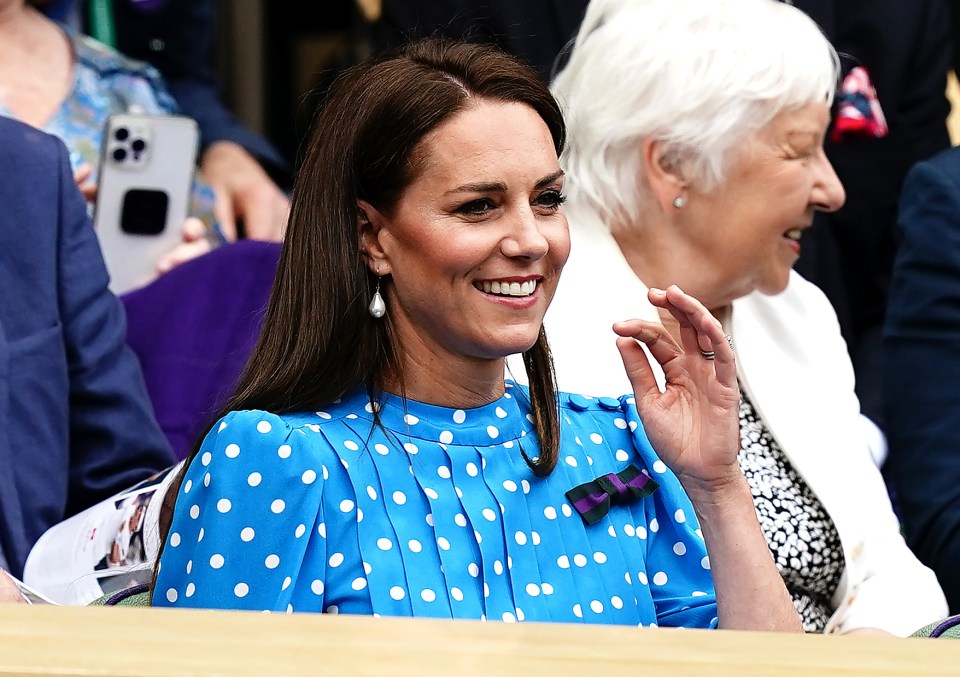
829,194
525,239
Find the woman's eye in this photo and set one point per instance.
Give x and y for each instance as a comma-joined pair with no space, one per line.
476,207
550,199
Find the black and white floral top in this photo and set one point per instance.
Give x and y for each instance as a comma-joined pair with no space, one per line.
802,537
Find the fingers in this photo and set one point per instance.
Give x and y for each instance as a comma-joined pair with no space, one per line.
82,173
699,329
182,253
264,212
224,214
655,336
193,229
638,368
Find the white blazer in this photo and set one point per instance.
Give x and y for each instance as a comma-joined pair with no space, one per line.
793,364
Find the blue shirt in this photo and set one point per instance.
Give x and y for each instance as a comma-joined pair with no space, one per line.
434,514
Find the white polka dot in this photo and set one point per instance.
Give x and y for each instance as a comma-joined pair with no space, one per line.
525,485
679,549
521,538
629,530
599,557
346,505
580,560
622,456
414,545
174,539
188,485
384,543
195,512
431,494
351,445
283,451
224,505
206,480
247,534
550,512
241,589
410,448
654,526
199,536
493,431
301,530
612,531
472,469
563,562
381,449
486,590
659,467
254,479
317,587
508,444
171,595
459,416
399,497
324,415
272,562
620,423
577,440
446,437
410,419
443,543
473,569
233,450
322,529
705,562
633,425
191,588
326,473
206,458
571,461
367,568
309,476
429,519
476,535
359,583
660,578
458,492
596,438
519,614
535,538
509,617
641,532
223,424
489,514
286,583
596,606
698,593
577,611
642,578
457,594
428,595
500,412
444,472
336,559
460,520
616,602
680,516
216,561
565,509
510,485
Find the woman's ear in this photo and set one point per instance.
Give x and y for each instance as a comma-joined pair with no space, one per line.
369,233
665,175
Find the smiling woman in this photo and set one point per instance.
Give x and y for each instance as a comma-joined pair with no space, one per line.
379,463
696,158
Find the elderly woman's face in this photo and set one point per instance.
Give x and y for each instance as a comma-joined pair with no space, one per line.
749,229
476,243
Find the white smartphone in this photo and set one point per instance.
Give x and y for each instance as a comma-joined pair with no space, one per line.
147,164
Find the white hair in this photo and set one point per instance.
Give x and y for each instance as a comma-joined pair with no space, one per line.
698,75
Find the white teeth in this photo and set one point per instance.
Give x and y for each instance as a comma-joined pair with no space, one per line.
794,234
510,288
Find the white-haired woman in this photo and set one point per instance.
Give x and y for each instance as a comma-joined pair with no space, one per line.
695,158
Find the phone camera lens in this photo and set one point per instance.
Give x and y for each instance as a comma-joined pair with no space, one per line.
119,155
138,145
121,134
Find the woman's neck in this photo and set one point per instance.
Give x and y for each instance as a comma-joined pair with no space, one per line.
36,64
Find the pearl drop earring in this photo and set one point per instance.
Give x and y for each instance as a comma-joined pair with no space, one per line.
377,307
679,202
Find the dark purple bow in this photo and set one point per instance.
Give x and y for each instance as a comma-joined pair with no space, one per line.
593,499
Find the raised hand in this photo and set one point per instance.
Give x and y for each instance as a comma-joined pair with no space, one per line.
693,425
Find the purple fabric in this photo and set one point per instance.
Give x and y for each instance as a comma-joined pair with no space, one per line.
620,491
193,330
945,625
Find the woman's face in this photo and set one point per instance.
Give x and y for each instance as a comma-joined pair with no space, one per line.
748,230
476,243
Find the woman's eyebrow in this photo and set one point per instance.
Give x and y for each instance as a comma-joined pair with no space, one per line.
494,187
547,180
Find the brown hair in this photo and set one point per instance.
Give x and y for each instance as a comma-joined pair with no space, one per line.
318,339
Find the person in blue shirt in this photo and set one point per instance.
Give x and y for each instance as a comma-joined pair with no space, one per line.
375,460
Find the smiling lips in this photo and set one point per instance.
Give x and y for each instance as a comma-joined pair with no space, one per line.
505,288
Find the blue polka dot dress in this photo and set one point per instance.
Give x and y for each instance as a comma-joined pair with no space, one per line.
435,514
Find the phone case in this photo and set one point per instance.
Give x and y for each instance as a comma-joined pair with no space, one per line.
146,172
